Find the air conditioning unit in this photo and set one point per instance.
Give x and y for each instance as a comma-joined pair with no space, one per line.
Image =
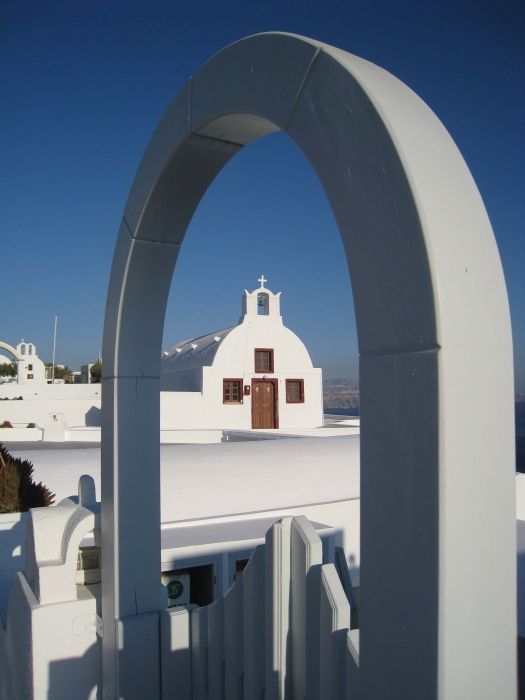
178,586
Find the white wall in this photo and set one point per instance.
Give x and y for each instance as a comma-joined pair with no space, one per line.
51,391
80,404
38,411
12,551
184,409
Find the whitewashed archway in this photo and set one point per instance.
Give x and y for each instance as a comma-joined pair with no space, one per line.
437,575
11,350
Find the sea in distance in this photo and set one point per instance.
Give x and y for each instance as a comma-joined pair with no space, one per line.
520,428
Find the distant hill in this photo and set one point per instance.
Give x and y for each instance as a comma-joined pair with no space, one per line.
340,393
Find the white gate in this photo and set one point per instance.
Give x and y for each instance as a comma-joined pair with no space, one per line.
281,631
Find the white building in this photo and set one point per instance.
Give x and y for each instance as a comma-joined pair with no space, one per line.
85,373
257,374
30,368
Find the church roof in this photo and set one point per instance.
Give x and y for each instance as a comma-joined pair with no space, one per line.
196,352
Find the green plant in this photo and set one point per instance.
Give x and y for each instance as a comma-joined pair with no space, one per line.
61,371
8,369
18,491
96,372
31,425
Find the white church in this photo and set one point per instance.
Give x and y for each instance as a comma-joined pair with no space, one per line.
255,375
29,367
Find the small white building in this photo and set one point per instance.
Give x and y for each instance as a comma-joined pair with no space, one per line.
257,374
30,368
85,373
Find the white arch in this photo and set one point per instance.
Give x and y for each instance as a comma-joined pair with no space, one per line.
10,349
434,338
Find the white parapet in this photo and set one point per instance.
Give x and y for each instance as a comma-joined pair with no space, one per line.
50,635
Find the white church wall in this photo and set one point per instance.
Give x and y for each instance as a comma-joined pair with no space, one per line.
310,412
30,368
239,416
236,351
31,371
234,415
235,359
182,409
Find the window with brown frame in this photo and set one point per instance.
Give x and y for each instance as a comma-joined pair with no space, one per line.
232,390
295,391
263,360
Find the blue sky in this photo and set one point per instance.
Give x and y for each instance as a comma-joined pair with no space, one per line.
84,84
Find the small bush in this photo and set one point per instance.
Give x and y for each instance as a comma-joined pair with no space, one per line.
18,491
6,424
31,425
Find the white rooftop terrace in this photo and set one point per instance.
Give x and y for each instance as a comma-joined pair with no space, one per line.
209,481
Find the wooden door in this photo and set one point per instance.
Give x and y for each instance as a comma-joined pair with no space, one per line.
263,404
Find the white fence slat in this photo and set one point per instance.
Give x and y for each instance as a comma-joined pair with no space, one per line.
342,569
334,623
216,650
233,640
277,576
199,653
306,552
352,664
175,654
253,625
